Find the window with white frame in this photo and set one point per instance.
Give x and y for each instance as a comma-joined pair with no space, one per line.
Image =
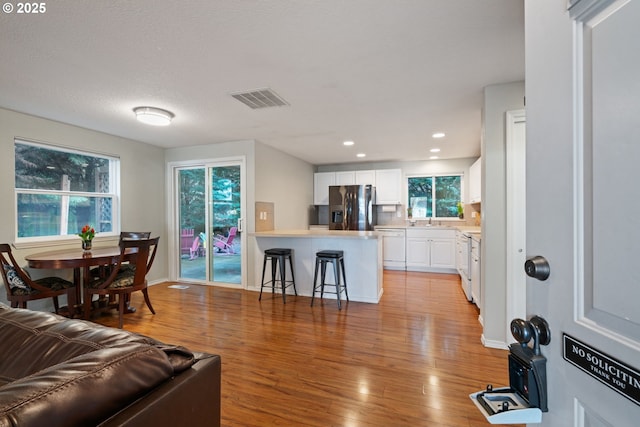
59,190
434,196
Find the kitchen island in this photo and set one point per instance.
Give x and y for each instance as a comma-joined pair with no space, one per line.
362,259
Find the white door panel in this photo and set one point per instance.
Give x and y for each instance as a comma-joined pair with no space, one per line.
583,104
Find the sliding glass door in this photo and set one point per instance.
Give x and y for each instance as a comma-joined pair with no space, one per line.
209,222
225,213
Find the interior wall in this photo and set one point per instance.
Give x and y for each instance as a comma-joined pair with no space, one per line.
498,99
141,176
287,182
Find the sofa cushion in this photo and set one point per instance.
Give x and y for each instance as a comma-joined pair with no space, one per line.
32,340
86,389
60,372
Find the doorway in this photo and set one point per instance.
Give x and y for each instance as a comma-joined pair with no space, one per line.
209,206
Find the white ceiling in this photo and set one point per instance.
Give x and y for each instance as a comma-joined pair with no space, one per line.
384,73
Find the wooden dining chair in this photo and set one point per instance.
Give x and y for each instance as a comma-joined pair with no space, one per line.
122,282
104,270
133,235
21,288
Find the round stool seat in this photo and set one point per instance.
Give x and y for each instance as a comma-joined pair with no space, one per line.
330,254
278,251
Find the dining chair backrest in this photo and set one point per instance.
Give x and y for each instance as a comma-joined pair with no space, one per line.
145,253
135,235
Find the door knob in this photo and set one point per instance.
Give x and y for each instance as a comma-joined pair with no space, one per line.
537,267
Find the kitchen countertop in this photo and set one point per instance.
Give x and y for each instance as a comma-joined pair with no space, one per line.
470,229
319,233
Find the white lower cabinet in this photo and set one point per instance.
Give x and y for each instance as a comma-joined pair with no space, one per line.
431,250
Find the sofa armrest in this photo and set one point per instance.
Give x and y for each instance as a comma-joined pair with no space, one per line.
191,398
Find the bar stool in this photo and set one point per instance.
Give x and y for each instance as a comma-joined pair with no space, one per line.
337,259
278,255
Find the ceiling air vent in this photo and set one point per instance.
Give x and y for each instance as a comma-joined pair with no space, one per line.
260,98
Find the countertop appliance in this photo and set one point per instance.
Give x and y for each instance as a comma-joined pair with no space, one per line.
351,207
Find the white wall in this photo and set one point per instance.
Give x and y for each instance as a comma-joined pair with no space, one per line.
498,99
142,180
288,183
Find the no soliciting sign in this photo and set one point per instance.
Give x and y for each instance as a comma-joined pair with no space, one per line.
622,378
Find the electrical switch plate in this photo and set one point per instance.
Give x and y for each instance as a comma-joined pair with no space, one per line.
474,214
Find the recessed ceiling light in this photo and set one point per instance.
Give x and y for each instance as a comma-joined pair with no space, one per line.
434,157
348,143
435,150
438,135
361,155
153,116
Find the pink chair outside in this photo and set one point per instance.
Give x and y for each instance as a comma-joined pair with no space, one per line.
186,237
224,244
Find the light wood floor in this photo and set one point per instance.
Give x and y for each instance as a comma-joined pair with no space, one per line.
411,360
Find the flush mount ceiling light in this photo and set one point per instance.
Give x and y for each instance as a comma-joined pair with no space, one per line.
435,150
153,116
438,135
361,155
348,143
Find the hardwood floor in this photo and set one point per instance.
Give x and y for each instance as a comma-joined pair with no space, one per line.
411,360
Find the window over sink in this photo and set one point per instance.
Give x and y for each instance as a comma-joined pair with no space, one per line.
434,196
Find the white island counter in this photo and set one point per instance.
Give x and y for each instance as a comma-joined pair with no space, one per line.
362,259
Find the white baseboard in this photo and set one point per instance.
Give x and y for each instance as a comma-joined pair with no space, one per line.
493,343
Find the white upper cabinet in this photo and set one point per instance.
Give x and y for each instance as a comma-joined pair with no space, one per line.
366,177
475,182
388,186
345,178
321,183
388,183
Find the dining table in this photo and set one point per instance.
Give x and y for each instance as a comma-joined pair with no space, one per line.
80,261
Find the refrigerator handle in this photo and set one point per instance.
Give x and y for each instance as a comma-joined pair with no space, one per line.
240,225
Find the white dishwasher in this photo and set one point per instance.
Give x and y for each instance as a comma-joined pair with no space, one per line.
393,248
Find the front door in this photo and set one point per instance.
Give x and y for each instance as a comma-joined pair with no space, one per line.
583,150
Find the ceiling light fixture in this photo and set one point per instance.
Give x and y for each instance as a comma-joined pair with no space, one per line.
348,143
153,116
361,155
435,150
438,135
433,157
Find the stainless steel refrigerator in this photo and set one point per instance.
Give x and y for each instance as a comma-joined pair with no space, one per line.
351,207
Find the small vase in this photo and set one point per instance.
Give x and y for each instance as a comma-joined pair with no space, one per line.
86,245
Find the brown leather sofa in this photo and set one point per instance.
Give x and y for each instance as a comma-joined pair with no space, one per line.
59,372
